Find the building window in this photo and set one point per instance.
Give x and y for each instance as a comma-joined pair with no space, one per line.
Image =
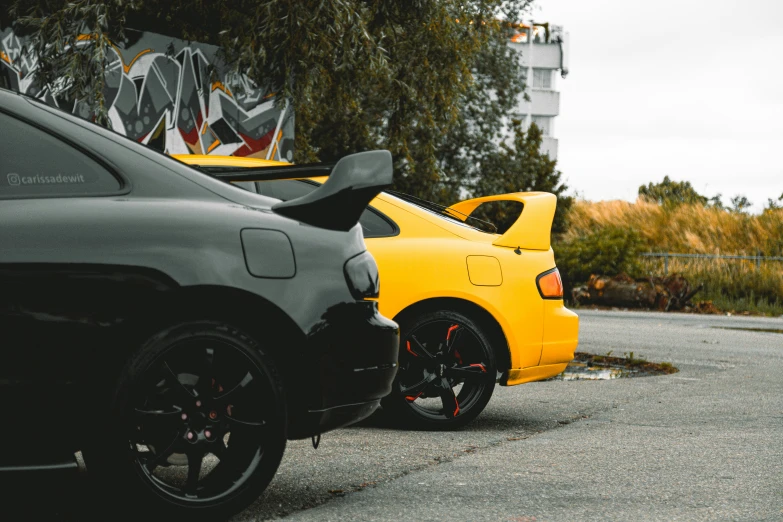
544,123
542,78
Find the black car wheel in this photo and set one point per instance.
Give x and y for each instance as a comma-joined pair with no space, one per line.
198,425
446,372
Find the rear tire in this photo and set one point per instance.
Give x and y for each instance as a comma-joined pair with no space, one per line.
446,372
196,427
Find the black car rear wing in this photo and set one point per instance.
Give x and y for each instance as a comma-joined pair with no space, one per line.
238,174
353,182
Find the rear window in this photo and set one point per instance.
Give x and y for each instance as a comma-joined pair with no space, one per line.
435,209
35,164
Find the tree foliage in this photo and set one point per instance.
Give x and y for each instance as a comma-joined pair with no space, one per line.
740,204
429,80
716,201
671,193
520,167
773,205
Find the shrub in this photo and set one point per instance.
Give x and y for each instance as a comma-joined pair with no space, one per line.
609,251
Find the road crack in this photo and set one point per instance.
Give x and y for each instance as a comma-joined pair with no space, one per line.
469,450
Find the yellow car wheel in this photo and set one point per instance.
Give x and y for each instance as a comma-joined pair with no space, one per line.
446,372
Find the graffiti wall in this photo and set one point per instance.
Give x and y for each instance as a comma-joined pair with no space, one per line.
173,96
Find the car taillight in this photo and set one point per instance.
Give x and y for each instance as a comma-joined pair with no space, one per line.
361,273
550,286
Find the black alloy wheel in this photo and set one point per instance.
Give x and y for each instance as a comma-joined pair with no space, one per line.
446,373
200,425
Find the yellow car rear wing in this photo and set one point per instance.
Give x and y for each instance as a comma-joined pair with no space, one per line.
531,230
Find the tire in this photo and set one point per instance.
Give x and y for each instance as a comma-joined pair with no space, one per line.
196,427
446,374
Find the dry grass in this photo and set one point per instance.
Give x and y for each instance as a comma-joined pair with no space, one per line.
733,285
686,228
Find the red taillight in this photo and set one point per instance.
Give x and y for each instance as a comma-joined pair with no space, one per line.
550,286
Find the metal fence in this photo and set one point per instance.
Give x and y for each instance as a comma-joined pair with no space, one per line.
666,255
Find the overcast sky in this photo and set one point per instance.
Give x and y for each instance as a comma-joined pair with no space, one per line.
692,89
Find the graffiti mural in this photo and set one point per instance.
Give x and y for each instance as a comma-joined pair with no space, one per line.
172,95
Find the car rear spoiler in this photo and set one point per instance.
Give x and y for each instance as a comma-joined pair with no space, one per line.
240,174
531,230
353,183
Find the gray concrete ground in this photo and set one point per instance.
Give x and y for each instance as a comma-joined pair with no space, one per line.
701,444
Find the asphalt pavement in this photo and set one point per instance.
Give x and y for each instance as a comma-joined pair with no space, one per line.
705,443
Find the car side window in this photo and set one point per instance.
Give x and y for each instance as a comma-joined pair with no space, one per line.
373,223
35,164
376,225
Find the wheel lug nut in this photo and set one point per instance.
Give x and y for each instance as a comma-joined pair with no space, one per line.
213,415
184,416
208,434
190,435
198,404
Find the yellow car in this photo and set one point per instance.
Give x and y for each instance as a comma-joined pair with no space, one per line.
474,308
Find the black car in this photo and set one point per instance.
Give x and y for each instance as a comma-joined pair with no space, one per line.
176,329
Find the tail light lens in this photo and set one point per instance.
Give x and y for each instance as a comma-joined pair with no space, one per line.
361,273
550,286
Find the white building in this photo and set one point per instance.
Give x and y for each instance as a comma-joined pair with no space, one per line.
543,56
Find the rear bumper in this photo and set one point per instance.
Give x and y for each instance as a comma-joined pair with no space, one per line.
561,334
353,361
559,342
535,373
321,421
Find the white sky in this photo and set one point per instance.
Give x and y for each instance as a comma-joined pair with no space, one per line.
692,89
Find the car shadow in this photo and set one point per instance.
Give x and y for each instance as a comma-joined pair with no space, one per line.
488,421
49,496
